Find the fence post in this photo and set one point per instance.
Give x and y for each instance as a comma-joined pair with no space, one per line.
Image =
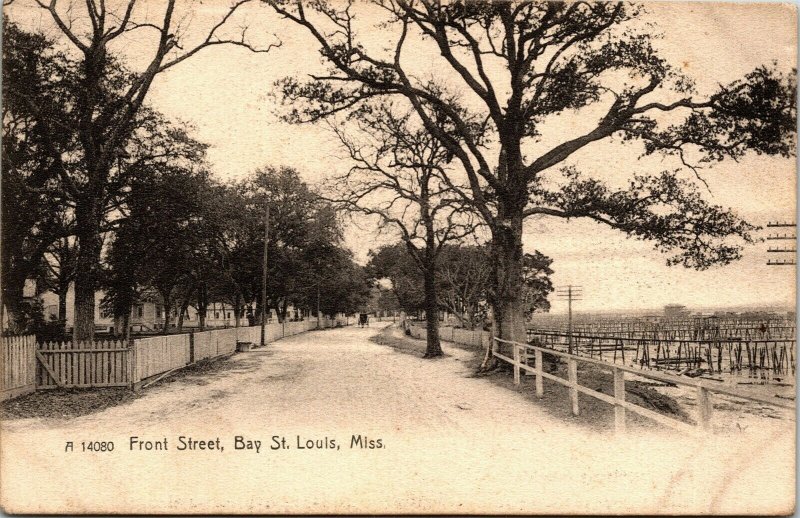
704,408
191,347
132,364
572,367
516,363
619,397
539,370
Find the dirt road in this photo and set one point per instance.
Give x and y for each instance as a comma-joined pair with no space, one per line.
450,443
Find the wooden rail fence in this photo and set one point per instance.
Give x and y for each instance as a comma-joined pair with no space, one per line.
520,362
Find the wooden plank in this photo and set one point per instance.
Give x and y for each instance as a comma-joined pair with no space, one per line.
572,371
100,367
516,364
619,395
704,408
539,371
660,418
102,358
48,369
79,370
597,395
8,364
4,356
132,368
14,364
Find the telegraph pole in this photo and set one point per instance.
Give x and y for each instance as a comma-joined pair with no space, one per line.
571,293
264,281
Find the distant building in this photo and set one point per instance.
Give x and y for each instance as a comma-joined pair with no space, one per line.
147,315
675,311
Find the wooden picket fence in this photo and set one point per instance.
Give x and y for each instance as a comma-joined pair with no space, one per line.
158,354
83,364
27,366
18,366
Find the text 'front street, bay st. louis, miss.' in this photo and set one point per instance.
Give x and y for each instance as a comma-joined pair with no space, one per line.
237,443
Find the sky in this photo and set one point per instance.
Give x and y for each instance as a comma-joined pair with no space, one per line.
226,94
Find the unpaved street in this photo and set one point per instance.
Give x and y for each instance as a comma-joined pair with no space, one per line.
452,443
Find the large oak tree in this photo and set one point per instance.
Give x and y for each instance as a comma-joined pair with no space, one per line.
522,65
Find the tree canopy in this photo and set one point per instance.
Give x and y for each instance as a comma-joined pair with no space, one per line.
519,67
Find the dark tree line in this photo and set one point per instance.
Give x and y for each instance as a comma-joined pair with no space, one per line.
88,107
167,231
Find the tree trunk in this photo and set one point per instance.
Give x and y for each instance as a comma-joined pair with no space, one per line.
126,325
434,347
12,302
237,309
62,304
119,325
184,308
508,309
284,306
87,218
167,297
202,305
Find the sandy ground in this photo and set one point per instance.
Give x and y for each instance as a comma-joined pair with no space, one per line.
451,443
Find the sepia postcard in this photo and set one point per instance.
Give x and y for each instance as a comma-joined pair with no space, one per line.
398,257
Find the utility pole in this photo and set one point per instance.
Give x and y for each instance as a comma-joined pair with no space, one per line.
571,293
264,281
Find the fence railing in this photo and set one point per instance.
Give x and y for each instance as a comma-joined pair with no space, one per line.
704,390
